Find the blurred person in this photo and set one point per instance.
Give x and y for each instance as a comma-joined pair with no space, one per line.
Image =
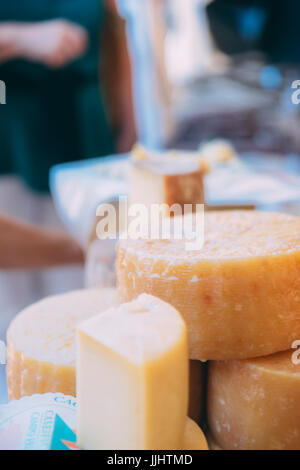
50,57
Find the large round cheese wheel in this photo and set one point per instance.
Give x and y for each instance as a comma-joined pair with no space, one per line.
41,342
255,404
239,294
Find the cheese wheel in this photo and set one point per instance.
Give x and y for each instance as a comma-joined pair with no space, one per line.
196,390
255,404
132,378
194,438
239,294
40,342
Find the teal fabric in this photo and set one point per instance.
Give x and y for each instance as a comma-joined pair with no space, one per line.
53,115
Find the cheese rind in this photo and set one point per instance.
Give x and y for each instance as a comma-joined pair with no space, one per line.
132,378
255,404
239,294
41,342
194,438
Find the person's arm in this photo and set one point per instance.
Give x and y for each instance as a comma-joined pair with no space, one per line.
53,43
25,246
122,74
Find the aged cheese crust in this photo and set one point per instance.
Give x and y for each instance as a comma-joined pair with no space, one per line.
255,404
239,295
41,342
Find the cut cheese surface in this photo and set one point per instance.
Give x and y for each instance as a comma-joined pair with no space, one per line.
166,179
194,438
132,378
255,404
41,342
239,294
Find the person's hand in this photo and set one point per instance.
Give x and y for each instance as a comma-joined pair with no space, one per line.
26,246
54,43
8,50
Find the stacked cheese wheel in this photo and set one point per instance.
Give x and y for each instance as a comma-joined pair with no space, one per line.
41,342
240,298
254,404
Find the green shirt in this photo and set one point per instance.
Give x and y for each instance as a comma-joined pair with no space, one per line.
53,115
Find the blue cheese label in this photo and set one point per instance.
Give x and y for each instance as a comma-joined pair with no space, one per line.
40,422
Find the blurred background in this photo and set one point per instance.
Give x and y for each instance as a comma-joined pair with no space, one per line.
89,78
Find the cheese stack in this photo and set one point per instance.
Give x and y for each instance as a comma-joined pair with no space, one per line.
41,342
255,404
141,350
239,294
240,298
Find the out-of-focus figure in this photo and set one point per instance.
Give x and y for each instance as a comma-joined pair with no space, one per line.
56,110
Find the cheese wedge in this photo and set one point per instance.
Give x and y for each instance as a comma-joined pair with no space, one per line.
196,390
255,404
166,179
194,438
132,378
41,342
239,294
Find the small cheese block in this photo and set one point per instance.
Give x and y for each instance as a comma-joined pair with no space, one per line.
217,151
194,438
196,390
239,294
166,179
41,342
255,404
132,378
